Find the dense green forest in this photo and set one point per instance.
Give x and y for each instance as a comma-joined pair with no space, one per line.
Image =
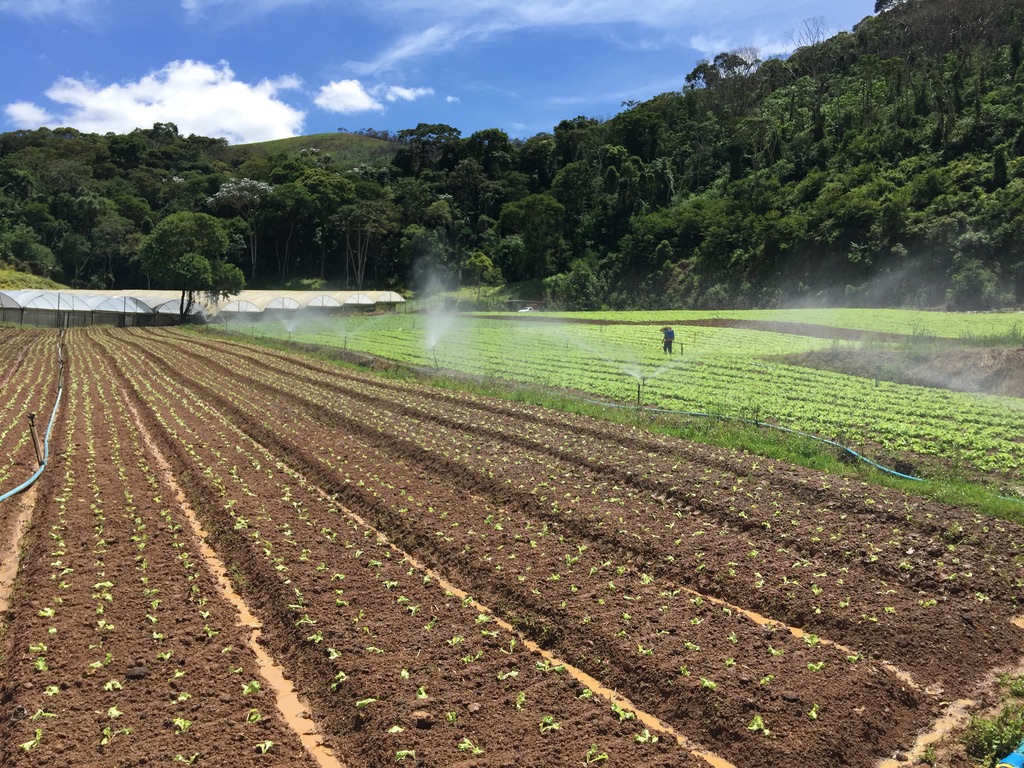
882,166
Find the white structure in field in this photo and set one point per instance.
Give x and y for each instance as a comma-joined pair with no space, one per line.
81,307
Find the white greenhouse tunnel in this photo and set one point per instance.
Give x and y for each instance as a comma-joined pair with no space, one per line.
146,307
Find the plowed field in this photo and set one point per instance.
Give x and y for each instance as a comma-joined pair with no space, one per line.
451,580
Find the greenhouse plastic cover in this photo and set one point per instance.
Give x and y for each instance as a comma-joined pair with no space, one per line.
150,302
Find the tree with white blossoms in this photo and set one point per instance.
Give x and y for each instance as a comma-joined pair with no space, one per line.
244,196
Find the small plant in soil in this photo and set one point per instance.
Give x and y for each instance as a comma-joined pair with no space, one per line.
622,714
548,724
757,724
646,737
109,734
468,746
31,744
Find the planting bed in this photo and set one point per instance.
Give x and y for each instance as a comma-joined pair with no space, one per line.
449,580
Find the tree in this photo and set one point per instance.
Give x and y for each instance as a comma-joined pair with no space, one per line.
186,252
427,146
243,196
365,223
287,209
538,220
975,287
330,191
483,271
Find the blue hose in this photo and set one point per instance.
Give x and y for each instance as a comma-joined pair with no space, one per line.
49,428
1013,760
809,436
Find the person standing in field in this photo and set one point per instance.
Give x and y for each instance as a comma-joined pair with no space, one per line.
669,336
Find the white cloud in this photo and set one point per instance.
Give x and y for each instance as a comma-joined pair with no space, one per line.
24,114
766,46
395,92
347,97
710,46
351,96
433,40
76,9
429,28
517,14
199,98
196,9
452,99
446,24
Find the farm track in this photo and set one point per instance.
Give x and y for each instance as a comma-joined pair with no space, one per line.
624,659
644,561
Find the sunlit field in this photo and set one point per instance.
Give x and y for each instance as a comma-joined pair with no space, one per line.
729,372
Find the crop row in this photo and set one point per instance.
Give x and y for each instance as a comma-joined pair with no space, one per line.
120,643
29,383
973,543
952,325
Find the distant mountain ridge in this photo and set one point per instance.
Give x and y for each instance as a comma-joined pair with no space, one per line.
345,148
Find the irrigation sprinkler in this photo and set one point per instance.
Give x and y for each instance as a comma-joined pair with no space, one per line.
434,350
35,438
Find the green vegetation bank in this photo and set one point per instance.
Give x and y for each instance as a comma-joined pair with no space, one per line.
882,166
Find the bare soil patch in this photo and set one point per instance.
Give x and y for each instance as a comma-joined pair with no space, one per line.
990,370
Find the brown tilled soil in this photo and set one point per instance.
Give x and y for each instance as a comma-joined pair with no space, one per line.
993,371
768,614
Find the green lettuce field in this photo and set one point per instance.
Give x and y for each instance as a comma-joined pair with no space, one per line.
716,370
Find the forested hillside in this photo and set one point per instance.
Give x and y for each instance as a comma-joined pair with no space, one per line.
882,166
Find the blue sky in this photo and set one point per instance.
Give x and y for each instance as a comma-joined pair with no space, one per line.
252,70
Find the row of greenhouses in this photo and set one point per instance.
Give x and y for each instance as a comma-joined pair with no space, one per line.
154,307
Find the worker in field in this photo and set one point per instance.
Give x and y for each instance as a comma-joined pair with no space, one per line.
669,336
